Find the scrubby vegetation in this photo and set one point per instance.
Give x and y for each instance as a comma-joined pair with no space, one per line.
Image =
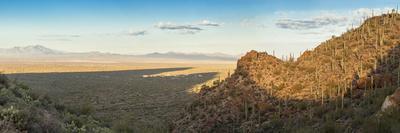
337,87
22,110
125,101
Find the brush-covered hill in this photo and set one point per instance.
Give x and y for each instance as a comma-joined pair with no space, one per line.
22,111
338,86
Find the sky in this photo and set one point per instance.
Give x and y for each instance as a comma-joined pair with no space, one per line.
188,26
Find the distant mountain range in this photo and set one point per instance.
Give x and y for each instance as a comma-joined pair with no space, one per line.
33,51
29,50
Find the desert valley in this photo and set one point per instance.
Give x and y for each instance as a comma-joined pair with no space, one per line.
114,88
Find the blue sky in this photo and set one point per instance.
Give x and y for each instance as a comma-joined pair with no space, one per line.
203,26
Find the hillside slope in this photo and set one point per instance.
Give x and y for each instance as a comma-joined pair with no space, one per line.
336,86
22,110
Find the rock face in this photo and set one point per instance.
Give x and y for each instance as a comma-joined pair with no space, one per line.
392,100
263,86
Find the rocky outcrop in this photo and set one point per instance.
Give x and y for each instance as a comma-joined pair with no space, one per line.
392,101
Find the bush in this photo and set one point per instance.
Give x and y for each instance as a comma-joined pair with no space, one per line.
83,109
4,81
23,110
389,121
122,126
86,109
329,127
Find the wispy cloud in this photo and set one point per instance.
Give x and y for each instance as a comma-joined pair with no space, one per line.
61,35
209,23
58,37
191,28
326,19
171,26
182,29
314,23
137,33
55,39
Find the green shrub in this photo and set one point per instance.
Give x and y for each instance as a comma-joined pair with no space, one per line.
25,110
329,127
83,109
388,122
4,81
122,126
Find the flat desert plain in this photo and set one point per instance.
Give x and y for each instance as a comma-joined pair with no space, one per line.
148,95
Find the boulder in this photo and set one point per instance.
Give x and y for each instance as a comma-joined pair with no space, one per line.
392,100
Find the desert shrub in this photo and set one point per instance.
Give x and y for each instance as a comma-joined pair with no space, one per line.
83,109
216,82
59,107
73,128
16,92
371,125
4,81
22,86
388,122
152,127
275,124
357,122
3,100
83,123
86,109
35,95
7,97
330,127
44,100
301,105
319,111
11,114
24,110
304,129
122,126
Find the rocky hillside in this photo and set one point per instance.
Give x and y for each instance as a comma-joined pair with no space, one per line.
22,110
336,86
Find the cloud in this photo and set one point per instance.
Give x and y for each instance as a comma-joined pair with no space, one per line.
185,29
182,29
137,33
314,23
55,39
171,26
327,18
58,37
61,36
209,23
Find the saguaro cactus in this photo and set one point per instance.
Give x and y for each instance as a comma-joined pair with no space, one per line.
398,78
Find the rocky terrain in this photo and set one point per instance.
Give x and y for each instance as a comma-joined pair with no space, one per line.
338,86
